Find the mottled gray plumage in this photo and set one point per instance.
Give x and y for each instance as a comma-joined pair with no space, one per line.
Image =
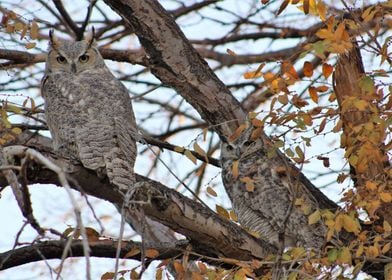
88,111
277,183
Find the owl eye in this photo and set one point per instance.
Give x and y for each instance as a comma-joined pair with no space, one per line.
247,143
229,147
84,58
61,59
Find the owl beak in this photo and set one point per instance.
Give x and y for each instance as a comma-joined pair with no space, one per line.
73,68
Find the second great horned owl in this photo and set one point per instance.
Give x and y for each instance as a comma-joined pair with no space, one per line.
88,111
262,190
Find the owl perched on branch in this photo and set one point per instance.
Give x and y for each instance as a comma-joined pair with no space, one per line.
88,111
270,196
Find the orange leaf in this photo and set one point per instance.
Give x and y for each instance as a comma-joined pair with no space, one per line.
283,6
222,212
322,125
385,197
313,94
327,70
237,132
211,192
178,268
322,88
283,99
289,70
230,52
308,69
152,253
92,234
252,75
132,252
190,156
306,7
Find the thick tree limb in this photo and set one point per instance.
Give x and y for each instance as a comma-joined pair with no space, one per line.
367,144
21,57
99,248
176,63
209,233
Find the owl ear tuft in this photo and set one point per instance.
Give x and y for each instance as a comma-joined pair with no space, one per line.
54,42
90,38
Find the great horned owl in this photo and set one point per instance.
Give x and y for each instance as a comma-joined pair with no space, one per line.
88,111
264,190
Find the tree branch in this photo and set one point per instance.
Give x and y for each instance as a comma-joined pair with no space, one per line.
209,233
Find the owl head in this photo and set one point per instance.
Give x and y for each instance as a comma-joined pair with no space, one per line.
72,57
245,144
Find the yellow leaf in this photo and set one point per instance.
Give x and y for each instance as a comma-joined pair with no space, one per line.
325,34
314,217
34,30
222,211
211,192
134,275
190,156
30,45
233,216
372,252
19,26
361,105
359,251
371,186
386,248
196,276
158,275
205,130
387,227
345,256
385,197
198,149
322,10
350,224
283,99
152,253
299,152
16,130
108,276
179,149
235,169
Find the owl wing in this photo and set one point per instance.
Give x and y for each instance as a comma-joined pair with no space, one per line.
106,142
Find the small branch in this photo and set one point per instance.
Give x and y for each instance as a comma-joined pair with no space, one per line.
67,18
101,248
18,151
